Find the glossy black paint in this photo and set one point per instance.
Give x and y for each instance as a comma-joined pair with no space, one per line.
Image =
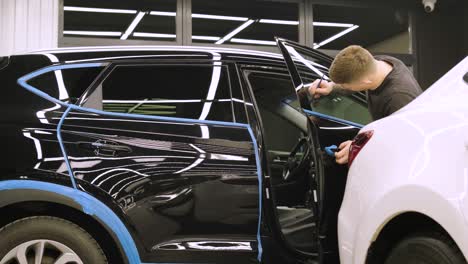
186,192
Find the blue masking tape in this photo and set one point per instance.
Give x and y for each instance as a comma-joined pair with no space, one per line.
62,147
332,118
90,206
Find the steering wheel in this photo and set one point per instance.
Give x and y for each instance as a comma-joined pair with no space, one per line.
295,165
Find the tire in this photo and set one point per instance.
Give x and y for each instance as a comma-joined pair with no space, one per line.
426,249
55,237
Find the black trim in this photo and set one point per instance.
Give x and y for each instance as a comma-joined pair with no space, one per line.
4,62
465,78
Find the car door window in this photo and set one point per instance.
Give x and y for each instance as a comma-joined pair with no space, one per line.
185,91
273,94
340,105
344,107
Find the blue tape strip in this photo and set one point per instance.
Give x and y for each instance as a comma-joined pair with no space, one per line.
90,205
23,82
62,147
260,187
332,118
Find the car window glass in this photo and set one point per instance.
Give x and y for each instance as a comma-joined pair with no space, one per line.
343,107
185,91
273,92
67,83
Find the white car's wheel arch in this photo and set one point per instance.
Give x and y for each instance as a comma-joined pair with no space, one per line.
387,209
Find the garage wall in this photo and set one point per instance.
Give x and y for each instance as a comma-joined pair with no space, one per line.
396,44
438,41
27,25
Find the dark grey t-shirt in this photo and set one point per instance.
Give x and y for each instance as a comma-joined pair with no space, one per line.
397,90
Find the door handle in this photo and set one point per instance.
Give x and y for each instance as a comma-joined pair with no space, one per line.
103,148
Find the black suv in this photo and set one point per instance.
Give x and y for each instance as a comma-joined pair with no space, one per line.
170,155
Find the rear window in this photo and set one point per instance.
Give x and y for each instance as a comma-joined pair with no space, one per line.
66,84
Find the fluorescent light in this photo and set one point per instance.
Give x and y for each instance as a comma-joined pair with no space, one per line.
99,10
307,63
253,41
342,33
160,13
133,25
235,31
63,93
153,35
206,38
215,77
232,18
197,162
281,22
217,156
37,144
150,101
92,33
329,24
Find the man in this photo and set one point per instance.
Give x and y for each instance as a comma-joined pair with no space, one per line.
389,84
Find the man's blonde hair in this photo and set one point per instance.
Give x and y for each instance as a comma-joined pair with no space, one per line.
351,64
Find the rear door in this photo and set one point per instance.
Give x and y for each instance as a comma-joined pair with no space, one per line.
334,119
162,142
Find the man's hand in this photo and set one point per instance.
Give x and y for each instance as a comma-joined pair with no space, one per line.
324,89
342,155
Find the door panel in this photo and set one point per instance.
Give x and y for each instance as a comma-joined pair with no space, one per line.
188,189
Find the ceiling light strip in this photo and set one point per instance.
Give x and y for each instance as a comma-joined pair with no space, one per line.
206,38
235,31
162,13
133,25
232,18
281,22
332,38
153,35
98,10
253,41
330,24
93,33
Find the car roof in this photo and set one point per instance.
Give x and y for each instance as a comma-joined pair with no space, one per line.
89,54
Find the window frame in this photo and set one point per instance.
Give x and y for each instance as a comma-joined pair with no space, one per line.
107,71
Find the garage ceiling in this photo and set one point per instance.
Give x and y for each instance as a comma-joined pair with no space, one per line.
371,25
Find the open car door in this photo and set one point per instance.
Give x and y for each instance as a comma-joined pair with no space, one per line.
306,65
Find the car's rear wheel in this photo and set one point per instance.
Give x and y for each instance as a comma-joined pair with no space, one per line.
48,240
426,249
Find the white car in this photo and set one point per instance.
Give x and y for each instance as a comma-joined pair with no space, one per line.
406,193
